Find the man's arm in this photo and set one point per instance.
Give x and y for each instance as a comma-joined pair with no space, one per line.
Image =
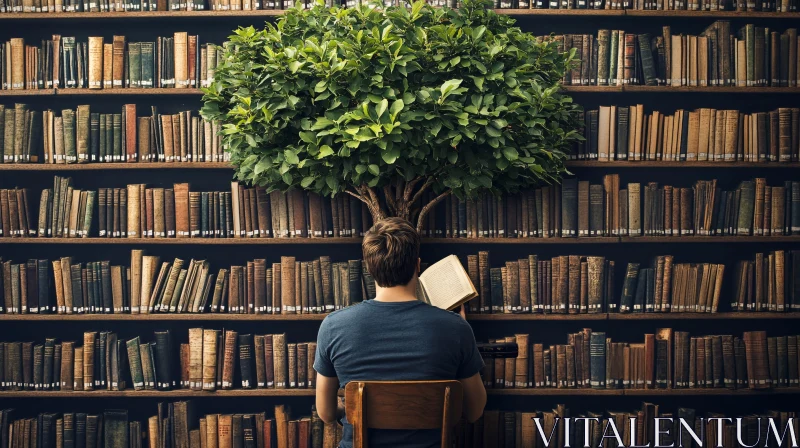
328,406
474,397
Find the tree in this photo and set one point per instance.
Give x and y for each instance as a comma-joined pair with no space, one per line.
387,104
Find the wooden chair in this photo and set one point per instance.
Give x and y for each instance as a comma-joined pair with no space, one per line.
402,405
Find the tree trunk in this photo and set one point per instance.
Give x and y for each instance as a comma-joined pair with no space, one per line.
400,199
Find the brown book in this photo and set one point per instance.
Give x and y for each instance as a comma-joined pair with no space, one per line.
209,362
288,293
282,426
181,56
182,214
291,352
129,112
229,358
118,61
279,348
196,357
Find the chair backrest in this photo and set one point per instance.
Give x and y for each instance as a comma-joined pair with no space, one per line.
402,405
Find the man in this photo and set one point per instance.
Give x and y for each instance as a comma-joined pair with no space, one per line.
395,337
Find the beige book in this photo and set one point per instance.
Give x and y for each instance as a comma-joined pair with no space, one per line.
446,284
210,359
57,276
676,62
200,286
66,278
153,432
741,63
702,62
196,358
731,134
603,127
703,134
108,66
692,60
159,226
279,355
95,62
212,431
17,63
134,229
632,124
82,117
74,212
281,425
166,130
719,135
288,293
620,76
172,279
237,225
137,256
149,266
116,288
181,62
89,339
693,134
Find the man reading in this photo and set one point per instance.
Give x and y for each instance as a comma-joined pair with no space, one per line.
395,337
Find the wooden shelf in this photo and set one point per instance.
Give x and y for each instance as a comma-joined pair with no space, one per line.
225,317
509,12
347,240
116,166
569,89
615,164
226,166
182,393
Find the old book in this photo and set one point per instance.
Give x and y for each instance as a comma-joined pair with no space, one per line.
446,284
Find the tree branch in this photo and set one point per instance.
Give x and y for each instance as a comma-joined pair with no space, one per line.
428,182
410,188
390,201
427,208
357,196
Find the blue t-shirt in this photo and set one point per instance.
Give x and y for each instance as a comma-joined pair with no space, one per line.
395,341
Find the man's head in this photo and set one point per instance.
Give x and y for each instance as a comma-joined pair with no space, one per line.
391,252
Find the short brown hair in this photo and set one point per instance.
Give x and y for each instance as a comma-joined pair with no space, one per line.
391,252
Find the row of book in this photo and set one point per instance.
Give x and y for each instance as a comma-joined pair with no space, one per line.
751,57
57,6
175,424
703,135
82,136
666,359
210,360
150,286
676,427
62,62
136,211
568,284
573,209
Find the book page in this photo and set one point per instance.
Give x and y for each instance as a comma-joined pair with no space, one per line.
447,284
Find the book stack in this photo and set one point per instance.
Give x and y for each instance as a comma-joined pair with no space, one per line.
148,285
751,57
703,135
177,61
666,359
510,428
111,428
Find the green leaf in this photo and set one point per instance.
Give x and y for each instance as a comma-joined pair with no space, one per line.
374,169
306,182
448,86
381,108
291,157
510,153
397,106
324,151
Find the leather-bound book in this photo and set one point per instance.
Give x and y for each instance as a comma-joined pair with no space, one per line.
246,360
135,363
269,361
791,358
354,276
181,207
311,374
118,61
288,293
485,297
597,355
291,351
264,215
258,356
280,365
180,63
302,365
209,359
277,288
231,339
569,207
89,340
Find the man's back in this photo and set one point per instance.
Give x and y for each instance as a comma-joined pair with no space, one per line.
385,341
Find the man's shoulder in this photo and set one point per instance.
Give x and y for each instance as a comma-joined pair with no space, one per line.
344,314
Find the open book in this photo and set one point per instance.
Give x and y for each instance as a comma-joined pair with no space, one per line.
446,284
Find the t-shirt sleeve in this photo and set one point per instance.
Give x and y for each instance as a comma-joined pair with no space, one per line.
322,360
471,361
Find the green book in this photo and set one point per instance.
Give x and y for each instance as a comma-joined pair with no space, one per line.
135,64
117,135
746,207
70,150
135,362
94,137
147,64
89,213
648,67
613,48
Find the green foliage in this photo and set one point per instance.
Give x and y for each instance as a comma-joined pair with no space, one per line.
331,98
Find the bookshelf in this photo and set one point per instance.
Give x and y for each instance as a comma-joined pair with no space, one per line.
215,26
